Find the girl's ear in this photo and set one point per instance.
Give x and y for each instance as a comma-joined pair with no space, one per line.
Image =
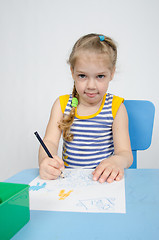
112,73
72,72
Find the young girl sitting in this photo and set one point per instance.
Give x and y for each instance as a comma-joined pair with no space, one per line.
93,122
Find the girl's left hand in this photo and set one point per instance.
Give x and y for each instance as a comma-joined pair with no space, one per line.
108,170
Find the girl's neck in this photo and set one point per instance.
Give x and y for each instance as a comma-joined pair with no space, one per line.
86,109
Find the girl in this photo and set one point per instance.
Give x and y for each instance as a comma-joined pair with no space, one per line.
93,122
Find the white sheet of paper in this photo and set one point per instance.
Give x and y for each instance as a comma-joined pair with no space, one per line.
79,193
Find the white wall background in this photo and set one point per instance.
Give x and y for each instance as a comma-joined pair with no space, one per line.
36,37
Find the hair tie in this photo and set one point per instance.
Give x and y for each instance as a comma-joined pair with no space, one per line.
74,102
102,38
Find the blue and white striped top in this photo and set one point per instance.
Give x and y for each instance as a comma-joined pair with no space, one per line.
93,137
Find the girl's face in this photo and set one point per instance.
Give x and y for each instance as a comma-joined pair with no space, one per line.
92,74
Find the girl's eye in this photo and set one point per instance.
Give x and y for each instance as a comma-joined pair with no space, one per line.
100,76
81,76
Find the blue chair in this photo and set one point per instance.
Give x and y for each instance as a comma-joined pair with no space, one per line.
141,118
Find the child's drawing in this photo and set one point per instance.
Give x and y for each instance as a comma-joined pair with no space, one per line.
63,195
78,192
98,204
77,178
37,187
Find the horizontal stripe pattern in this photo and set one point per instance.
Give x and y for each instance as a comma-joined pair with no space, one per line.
93,139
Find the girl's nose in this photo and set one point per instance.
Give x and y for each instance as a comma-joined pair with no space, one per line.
91,83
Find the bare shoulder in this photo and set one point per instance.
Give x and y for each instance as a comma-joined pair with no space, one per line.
121,114
120,123
56,104
52,131
121,131
56,109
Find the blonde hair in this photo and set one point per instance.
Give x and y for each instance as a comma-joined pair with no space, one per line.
89,42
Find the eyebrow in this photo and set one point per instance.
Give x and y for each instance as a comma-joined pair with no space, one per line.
80,72
100,73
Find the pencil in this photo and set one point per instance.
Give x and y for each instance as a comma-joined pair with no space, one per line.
46,149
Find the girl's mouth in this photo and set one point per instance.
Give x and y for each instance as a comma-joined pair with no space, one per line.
91,95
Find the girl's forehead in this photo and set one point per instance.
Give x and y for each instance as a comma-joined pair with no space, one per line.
87,57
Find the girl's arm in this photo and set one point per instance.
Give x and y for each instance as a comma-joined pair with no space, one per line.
50,168
112,168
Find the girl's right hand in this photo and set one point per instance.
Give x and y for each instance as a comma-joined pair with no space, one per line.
50,168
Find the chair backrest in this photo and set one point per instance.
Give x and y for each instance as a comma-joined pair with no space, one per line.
141,118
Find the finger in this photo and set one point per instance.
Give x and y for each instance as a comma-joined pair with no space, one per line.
49,177
97,173
60,161
94,170
53,171
119,176
46,176
113,175
105,174
54,163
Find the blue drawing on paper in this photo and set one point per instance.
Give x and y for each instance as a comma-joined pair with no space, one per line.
77,178
97,204
37,187
87,195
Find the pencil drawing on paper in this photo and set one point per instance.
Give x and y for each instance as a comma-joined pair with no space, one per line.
104,204
77,178
77,192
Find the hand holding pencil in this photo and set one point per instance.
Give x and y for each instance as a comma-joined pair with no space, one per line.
51,166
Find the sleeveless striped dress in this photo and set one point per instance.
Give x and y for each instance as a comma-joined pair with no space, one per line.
93,137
